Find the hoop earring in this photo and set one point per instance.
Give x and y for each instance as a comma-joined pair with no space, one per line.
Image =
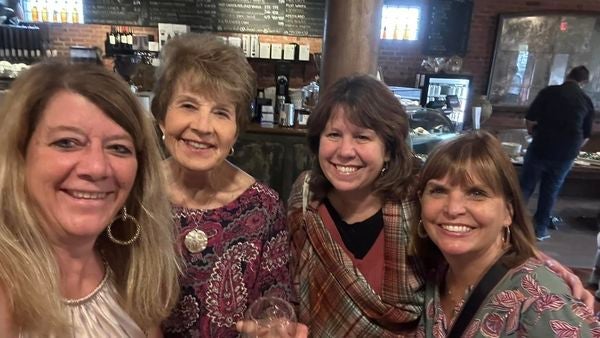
421,230
506,238
231,151
384,169
124,217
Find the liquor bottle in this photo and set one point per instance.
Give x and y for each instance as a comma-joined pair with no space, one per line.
75,13
30,45
37,42
12,55
64,13
384,34
406,35
35,13
55,12
18,44
45,11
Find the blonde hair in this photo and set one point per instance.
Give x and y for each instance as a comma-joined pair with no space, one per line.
205,64
477,154
146,272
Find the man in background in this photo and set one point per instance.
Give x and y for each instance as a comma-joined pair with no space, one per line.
560,121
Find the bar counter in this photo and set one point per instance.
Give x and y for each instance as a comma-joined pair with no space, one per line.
278,155
275,156
276,130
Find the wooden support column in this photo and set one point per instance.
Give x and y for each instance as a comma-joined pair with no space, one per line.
351,39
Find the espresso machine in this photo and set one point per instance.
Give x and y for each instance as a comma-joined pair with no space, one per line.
282,87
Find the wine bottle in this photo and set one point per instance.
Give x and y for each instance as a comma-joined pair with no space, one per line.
130,39
107,44
112,41
118,45
124,37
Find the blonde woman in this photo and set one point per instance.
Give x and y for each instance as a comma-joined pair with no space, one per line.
85,237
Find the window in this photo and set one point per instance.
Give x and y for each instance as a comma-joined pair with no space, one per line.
59,11
400,22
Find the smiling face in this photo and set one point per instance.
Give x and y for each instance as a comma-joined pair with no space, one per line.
79,169
465,220
351,157
199,131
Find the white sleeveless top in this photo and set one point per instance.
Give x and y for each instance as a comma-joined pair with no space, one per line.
99,315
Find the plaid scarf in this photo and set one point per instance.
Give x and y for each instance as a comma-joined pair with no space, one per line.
334,298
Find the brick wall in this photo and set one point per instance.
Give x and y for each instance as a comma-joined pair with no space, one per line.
62,36
400,61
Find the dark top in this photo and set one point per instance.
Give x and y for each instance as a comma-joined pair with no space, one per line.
358,237
564,116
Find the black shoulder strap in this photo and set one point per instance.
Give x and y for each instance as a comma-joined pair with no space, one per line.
487,283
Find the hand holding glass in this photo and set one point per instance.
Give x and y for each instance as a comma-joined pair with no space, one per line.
269,317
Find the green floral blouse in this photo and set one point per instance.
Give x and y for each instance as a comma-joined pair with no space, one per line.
530,301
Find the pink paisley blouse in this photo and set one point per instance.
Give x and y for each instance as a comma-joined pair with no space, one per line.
530,301
246,257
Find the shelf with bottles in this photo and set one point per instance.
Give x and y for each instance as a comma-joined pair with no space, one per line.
119,41
275,61
54,11
399,33
23,44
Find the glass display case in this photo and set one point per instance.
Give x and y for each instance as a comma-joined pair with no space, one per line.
428,127
441,89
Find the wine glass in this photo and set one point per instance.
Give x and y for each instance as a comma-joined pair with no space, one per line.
272,317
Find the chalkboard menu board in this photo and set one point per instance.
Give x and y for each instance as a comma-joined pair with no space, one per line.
447,27
281,17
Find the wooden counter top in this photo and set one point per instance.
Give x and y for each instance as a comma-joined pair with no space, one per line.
587,172
258,129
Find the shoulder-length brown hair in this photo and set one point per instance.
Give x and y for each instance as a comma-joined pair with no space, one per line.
477,154
145,272
368,103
